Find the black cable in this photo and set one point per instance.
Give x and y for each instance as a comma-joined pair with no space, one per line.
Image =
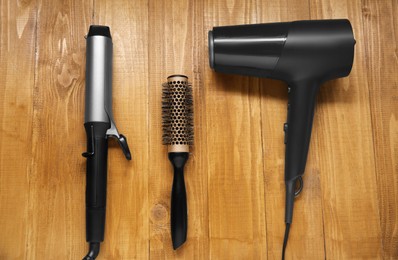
285,240
292,191
93,252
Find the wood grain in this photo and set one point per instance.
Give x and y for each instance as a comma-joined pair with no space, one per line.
127,230
55,222
17,64
380,29
234,177
235,157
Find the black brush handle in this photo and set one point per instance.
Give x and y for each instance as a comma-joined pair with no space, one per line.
179,218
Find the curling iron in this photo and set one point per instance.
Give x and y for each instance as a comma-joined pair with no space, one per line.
304,54
99,125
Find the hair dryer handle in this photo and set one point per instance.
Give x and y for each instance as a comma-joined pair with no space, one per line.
302,99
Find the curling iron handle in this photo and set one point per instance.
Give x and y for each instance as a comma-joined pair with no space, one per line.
97,155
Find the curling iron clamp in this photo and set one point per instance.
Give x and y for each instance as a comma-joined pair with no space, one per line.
99,124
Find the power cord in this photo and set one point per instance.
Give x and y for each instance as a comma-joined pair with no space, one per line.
292,191
93,252
285,240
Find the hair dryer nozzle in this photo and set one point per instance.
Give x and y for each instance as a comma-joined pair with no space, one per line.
211,49
247,49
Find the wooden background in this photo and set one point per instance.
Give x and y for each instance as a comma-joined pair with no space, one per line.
348,209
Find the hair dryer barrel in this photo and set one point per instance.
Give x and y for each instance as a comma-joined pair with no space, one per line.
318,50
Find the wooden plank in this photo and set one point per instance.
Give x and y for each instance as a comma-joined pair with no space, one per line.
57,219
127,233
176,43
306,239
17,62
234,158
346,160
58,170
380,41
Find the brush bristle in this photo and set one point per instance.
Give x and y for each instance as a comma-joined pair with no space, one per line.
177,113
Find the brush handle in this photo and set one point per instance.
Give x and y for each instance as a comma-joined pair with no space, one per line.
179,218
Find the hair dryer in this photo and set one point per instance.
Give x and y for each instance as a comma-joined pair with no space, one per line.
99,125
304,54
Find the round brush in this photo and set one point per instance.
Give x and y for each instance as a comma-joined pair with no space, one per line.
177,115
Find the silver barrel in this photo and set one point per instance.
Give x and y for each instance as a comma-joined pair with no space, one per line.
99,75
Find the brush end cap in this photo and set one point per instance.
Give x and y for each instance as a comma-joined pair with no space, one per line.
177,76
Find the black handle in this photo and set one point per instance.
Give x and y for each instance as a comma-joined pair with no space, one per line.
179,218
302,99
97,155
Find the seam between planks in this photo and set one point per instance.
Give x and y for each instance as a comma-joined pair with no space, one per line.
148,154
366,52
260,96
32,163
320,186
